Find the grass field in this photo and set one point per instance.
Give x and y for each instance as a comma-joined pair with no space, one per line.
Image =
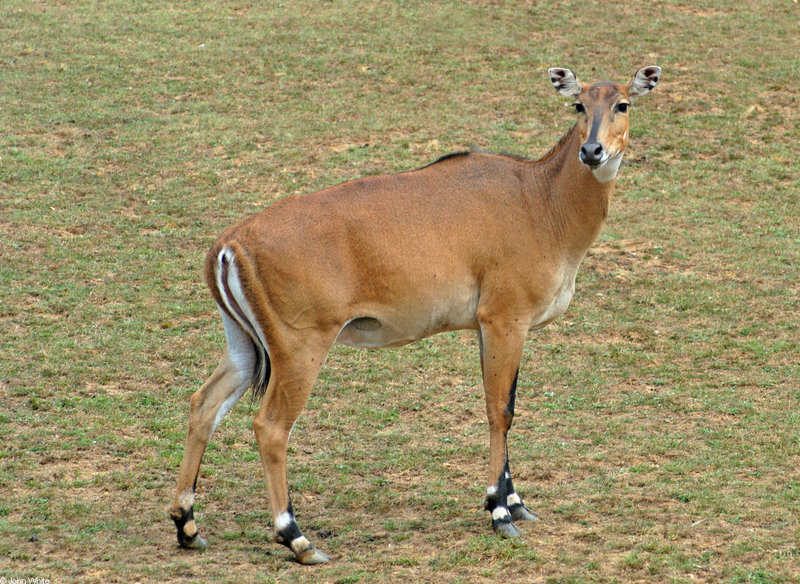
658,422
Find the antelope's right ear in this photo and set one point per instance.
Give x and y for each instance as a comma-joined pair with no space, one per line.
565,82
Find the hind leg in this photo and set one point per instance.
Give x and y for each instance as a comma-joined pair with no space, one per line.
209,405
293,376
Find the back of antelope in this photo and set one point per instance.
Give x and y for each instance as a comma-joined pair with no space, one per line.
472,241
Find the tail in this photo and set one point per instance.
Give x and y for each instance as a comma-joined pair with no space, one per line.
229,292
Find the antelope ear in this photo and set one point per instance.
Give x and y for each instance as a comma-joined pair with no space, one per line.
565,82
644,80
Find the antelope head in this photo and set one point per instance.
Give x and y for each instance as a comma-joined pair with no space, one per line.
602,110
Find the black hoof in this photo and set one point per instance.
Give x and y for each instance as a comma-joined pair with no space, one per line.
521,513
506,529
312,556
193,543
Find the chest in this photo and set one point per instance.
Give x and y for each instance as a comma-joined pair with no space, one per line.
556,302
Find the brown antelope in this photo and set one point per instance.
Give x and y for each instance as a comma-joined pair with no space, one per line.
473,241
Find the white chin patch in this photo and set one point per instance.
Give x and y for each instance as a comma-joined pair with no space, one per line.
608,170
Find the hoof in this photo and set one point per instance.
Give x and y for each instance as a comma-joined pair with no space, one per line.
312,556
196,543
506,529
521,513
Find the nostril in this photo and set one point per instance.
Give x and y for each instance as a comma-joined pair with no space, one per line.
591,152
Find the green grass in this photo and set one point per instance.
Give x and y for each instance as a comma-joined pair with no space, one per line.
657,422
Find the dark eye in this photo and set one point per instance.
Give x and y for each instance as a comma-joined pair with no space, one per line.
579,107
623,107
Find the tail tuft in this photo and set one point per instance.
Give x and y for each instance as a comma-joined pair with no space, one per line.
261,372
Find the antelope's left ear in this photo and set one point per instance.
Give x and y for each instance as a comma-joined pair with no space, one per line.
644,80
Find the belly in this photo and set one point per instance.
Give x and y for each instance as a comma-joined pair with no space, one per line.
394,327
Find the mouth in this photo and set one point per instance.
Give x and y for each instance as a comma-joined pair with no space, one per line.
605,169
594,165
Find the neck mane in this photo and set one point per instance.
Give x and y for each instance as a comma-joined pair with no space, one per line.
557,149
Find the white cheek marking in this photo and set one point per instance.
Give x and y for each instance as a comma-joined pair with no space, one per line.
500,513
513,499
283,521
491,491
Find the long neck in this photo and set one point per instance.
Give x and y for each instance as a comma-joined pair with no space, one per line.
574,201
